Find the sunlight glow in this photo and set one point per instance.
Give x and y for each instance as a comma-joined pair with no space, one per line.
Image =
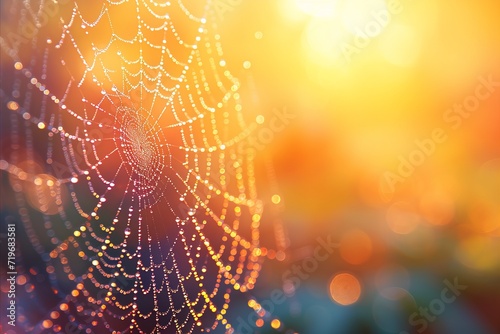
319,8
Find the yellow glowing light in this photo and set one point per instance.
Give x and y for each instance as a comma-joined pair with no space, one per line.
258,35
322,40
247,64
318,8
400,45
275,323
365,18
41,125
276,199
260,119
18,66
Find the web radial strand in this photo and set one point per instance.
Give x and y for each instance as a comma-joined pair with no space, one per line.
124,125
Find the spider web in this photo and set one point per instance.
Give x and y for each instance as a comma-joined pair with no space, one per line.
123,132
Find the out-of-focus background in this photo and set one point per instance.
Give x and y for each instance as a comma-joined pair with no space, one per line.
379,127
393,153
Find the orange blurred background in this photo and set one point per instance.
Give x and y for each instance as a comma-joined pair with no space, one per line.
367,89
390,149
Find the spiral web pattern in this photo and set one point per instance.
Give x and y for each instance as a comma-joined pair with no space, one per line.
121,130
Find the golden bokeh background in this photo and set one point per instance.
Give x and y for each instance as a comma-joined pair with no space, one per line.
378,122
368,90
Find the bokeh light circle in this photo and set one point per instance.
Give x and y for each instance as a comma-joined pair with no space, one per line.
345,289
